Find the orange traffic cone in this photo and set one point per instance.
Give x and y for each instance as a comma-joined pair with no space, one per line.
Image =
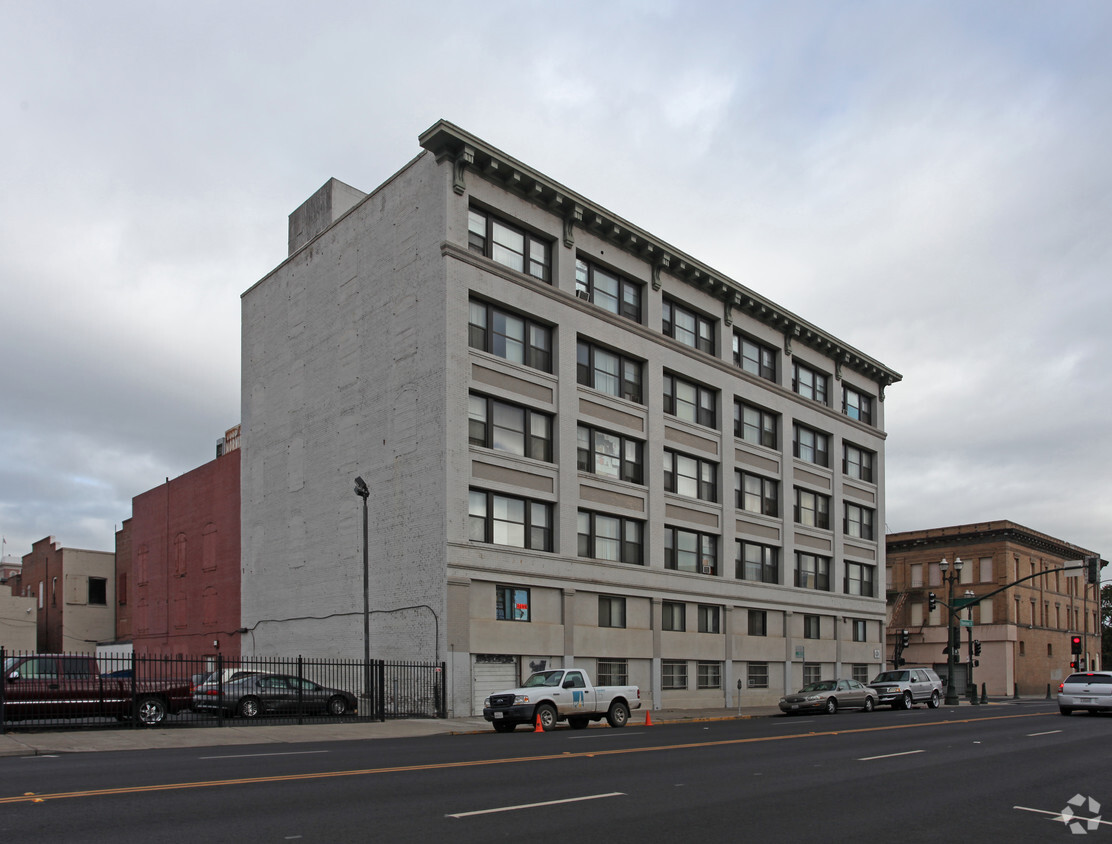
539,728
648,718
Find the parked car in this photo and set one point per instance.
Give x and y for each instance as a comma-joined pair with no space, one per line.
252,695
905,687
829,696
1087,690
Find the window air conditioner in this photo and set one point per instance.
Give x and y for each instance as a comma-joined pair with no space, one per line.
584,294
708,570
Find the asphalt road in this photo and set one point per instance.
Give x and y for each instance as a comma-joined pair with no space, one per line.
989,773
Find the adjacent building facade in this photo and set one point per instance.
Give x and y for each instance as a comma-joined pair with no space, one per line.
1024,631
581,446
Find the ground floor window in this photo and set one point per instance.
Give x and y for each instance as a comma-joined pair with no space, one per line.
757,675
812,672
612,672
860,672
674,674
710,675
512,604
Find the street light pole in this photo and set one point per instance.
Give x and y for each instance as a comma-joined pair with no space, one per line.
950,577
364,492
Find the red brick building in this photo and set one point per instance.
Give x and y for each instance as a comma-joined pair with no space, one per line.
178,572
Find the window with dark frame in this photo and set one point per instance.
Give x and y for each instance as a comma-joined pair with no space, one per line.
689,401
708,675
507,335
756,494
512,603
860,631
756,562
758,622
505,426
689,550
812,509
609,290
858,521
608,372
611,538
509,520
673,674
811,445
510,245
857,405
756,675
688,327
811,627
810,383
755,424
690,476
754,357
611,611
673,616
710,619
857,462
812,571
609,455
98,591
860,579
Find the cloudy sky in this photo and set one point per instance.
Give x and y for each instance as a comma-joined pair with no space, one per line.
928,181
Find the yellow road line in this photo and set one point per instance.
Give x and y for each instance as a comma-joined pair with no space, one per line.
434,766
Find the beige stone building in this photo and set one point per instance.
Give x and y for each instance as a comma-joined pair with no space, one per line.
1024,630
582,446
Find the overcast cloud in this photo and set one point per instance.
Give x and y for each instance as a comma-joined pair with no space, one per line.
928,181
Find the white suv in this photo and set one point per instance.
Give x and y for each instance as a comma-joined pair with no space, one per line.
904,687
1088,690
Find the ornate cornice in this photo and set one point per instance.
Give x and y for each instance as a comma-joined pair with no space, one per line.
981,534
469,154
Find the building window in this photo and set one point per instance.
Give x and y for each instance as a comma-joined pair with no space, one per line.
811,445
688,550
810,383
609,455
812,672
859,521
757,675
98,591
812,571
508,336
758,623
860,630
610,538
755,425
710,619
812,509
612,672
857,463
857,405
754,357
811,627
674,616
756,494
509,245
688,327
757,563
608,372
504,426
611,611
860,673
690,402
674,674
508,520
860,579
690,476
608,290
513,604
708,675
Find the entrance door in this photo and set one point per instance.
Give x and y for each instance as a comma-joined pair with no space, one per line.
491,673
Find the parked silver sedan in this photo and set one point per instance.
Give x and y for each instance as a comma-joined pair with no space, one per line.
1088,690
252,695
828,696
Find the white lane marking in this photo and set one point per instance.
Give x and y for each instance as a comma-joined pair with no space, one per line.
890,755
252,755
605,733
1047,733
536,805
1057,816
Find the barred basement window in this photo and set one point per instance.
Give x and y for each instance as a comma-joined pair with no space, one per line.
709,675
674,674
612,672
757,675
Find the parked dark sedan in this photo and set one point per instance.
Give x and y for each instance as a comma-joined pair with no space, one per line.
252,695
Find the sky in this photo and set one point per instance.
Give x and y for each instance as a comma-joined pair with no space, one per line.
929,182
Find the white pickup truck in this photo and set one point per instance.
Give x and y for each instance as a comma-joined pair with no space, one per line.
558,695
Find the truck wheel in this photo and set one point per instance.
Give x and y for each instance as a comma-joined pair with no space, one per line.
546,714
249,707
618,716
578,722
504,727
906,700
152,711
934,701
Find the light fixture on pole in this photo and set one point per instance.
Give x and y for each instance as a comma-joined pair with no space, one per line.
951,650
364,492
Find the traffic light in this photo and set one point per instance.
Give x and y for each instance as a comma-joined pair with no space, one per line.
932,601
1075,644
905,638
955,632
976,647
1092,570
1073,665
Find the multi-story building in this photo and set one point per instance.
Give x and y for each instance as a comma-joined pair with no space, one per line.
580,443
74,593
1024,629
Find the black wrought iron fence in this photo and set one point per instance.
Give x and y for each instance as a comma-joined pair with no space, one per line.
81,690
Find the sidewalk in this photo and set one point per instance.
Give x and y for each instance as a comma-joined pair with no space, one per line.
29,743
